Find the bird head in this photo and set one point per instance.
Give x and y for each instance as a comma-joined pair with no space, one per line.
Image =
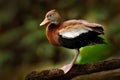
51,17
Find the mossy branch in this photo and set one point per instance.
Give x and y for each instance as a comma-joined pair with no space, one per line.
81,71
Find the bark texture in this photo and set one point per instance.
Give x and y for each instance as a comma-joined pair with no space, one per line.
103,70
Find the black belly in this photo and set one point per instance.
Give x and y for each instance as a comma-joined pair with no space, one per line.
81,40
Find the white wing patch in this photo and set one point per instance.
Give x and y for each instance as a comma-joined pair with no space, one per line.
70,32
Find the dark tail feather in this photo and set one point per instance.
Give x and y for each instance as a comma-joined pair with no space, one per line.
99,40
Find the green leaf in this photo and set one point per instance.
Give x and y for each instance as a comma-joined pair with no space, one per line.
94,53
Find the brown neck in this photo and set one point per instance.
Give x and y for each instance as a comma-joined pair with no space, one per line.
51,26
52,34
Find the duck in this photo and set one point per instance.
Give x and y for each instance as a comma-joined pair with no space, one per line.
71,34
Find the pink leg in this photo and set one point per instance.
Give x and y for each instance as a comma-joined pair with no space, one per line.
67,67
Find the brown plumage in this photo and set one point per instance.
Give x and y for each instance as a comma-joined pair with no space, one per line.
72,34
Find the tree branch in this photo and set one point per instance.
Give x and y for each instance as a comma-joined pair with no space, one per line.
79,71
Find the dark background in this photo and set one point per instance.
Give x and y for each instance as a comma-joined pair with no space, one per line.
23,44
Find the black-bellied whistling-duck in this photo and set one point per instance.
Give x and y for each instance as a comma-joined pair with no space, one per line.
72,34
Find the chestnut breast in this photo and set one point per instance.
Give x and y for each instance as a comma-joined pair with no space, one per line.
52,34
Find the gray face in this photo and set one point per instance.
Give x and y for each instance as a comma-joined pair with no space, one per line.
54,18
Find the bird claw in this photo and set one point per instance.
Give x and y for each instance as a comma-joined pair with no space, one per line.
66,68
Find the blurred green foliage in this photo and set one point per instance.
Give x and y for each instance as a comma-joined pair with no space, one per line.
23,44
94,53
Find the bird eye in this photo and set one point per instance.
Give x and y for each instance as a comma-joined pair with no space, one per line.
50,15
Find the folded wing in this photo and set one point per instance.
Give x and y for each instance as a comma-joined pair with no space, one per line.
81,26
